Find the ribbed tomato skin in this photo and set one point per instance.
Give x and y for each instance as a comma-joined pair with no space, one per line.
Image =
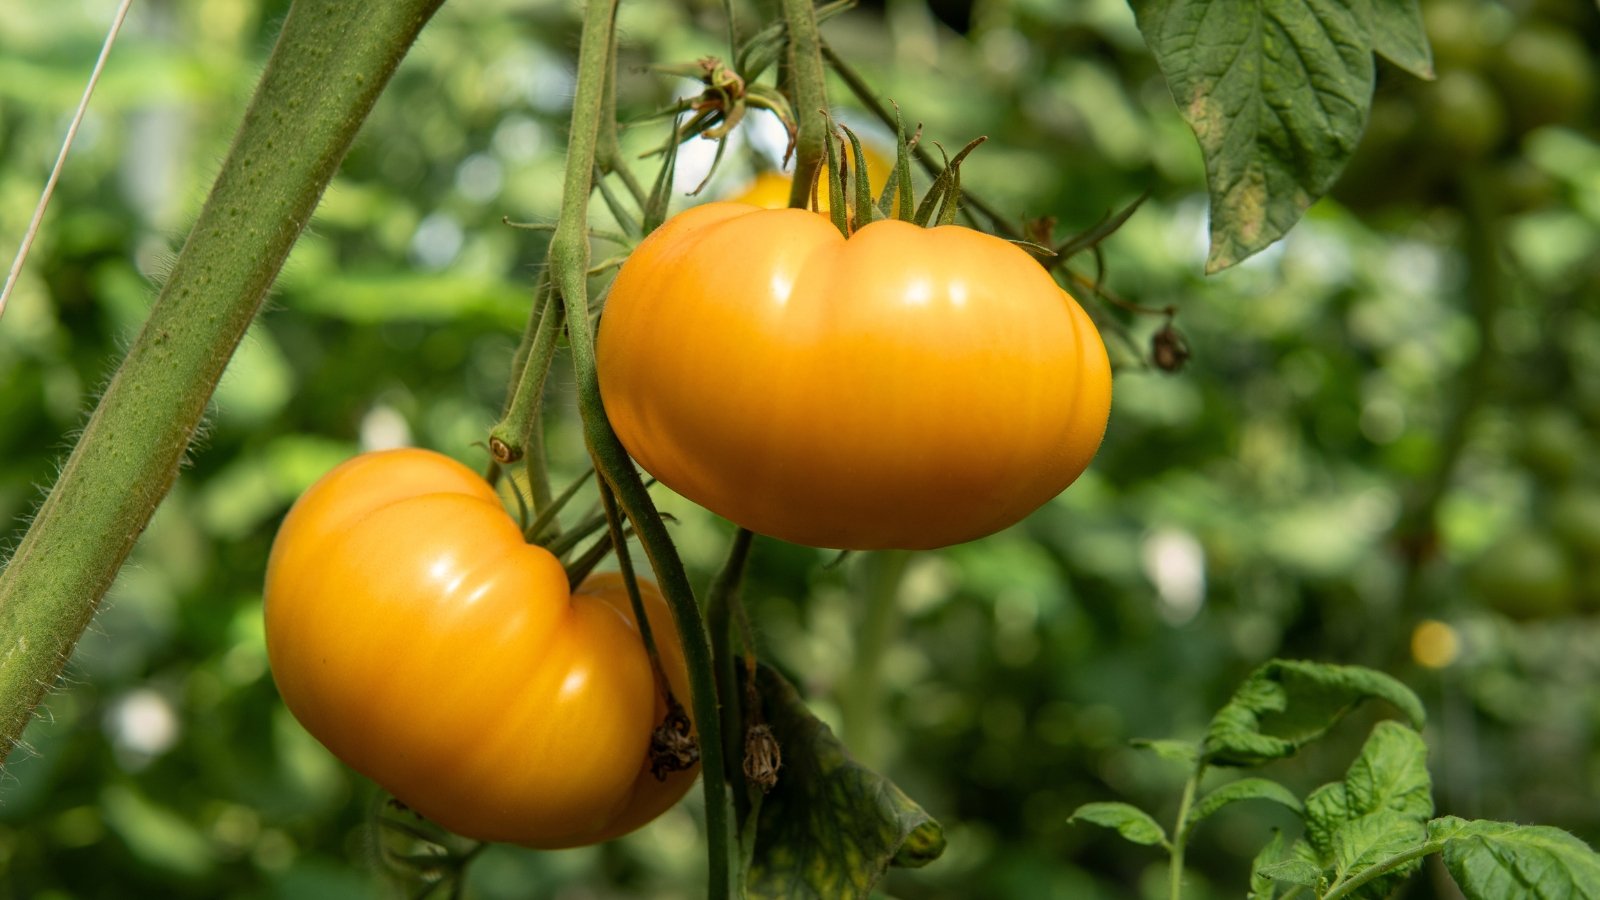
903,388
415,634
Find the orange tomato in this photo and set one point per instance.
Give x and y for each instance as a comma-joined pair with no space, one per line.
414,633
906,387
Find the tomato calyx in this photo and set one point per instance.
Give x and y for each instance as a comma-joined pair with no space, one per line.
850,202
1169,350
762,757
723,104
672,744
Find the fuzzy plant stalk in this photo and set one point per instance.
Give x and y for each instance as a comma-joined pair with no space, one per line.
328,67
568,257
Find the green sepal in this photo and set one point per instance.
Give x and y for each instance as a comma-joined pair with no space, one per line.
863,184
655,208
898,187
946,190
836,208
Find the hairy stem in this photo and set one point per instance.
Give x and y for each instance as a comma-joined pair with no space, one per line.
806,85
1378,870
331,61
720,600
569,264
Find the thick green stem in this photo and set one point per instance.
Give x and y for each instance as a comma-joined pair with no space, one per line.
720,600
569,264
806,85
330,63
860,703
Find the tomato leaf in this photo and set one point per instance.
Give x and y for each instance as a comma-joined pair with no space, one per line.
1279,863
1184,753
1399,37
1286,704
1291,871
1277,93
1501,859
1380,810
1131,822
1243,789
830,827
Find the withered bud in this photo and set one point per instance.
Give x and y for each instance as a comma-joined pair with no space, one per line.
1168,349
762,757
672,745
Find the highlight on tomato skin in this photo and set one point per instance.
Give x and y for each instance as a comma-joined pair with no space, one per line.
413,632
903,388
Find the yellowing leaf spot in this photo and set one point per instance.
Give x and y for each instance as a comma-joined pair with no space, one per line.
1206,118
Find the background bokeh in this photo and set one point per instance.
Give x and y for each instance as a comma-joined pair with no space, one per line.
1383,450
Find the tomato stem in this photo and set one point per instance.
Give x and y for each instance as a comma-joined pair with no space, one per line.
568,257
508,439
721,601
608,149
861,717
1180,830
619,542
805,83
544,528
331,61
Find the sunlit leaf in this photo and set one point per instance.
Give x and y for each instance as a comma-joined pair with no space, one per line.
1277,94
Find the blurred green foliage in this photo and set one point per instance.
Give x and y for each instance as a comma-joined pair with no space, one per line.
1345,457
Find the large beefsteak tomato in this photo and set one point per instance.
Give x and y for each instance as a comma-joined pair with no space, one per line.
415,634
903,388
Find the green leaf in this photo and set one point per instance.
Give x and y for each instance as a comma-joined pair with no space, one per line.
1184,753
1264,886
1291,871
1131,822
1399,37
830,827
1286,704
1368,840
1277,95
1501,859
1243,789
1391,774
1277,864
1380,810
